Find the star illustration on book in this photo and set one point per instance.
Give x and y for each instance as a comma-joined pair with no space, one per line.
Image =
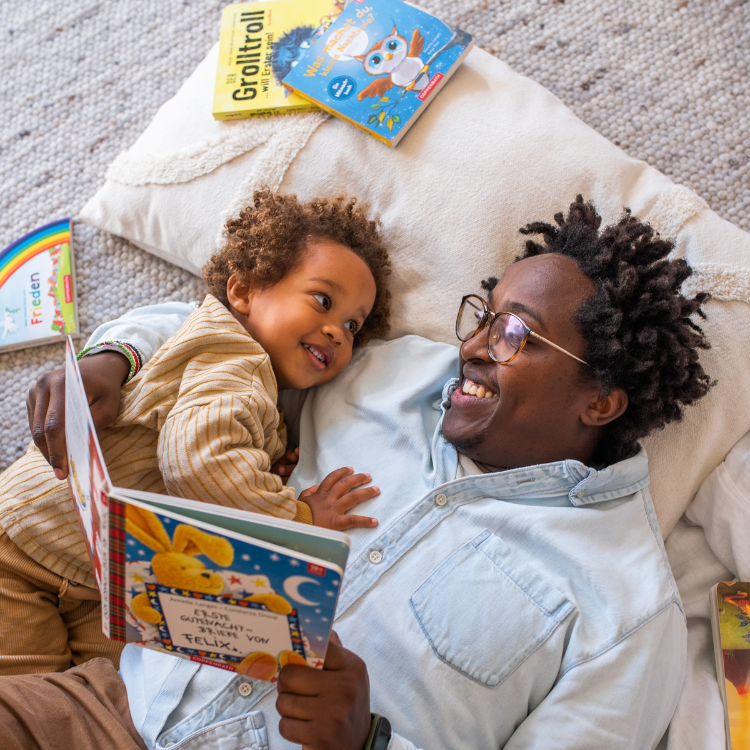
138,578
293,562
273,556
329,593
131,542
317,611
256,567
260,582
134,592
324,619
235,580
141,552
317,663
245,557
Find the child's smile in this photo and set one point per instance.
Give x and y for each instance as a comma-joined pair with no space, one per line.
307,321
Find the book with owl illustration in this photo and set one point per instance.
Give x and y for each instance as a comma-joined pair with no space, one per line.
730,622
379,65
259,44
37,289
235,590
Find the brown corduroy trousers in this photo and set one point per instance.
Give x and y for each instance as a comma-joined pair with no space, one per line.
85,708
47,623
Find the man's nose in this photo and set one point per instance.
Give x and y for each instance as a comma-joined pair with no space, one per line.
476,347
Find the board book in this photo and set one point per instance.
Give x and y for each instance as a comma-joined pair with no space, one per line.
730,622
237,590
379,65
259,44
37,288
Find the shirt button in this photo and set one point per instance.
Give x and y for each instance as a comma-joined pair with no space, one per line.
440,499
376,556
245,689
579,494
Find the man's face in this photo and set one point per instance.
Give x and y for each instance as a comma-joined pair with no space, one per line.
534,413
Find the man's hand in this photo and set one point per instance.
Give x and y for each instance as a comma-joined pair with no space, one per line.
103,375
285,465
326,709
336,494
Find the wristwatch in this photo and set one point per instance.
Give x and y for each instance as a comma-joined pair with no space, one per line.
380,733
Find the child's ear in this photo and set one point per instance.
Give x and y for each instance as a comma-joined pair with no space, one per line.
239,295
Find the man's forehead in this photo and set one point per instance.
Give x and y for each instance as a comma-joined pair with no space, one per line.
542,286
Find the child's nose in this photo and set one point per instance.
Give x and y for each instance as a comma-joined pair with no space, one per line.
333,332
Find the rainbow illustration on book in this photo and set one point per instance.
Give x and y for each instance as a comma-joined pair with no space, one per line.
37,300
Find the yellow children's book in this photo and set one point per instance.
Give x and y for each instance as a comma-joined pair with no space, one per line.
259,44
236,590
730,621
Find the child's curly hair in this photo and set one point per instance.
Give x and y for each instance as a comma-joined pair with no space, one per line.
637,325
270,237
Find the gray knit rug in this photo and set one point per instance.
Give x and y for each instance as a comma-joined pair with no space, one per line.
667,80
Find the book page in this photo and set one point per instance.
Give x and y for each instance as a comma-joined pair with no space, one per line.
88,479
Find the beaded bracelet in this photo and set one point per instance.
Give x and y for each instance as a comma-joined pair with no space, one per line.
123,347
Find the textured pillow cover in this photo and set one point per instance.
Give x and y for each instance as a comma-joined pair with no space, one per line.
492,152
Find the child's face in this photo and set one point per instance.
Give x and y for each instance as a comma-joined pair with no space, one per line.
307,321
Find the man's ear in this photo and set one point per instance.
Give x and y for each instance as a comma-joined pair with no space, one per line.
605,409
239,295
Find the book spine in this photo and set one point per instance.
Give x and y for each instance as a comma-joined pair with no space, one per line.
333,112
306,107
116,569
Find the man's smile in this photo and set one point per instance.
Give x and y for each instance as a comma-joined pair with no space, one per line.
472,392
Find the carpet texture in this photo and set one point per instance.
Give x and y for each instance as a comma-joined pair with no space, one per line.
667,80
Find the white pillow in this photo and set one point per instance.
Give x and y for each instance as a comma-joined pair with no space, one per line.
493,152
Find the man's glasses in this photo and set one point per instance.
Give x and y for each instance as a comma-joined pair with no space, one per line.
507,336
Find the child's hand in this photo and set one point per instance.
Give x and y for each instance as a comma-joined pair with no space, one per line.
336,494
285,465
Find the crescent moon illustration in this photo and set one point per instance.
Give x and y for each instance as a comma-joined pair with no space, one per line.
291,589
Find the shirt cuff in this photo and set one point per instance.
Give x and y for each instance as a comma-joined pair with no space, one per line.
122,347
400,743
304,514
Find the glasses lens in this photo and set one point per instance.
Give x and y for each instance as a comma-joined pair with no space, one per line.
506,336
469,318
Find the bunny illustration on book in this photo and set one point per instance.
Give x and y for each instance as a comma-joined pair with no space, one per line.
175,564
399,60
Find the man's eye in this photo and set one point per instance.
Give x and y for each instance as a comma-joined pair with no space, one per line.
324,300
352,326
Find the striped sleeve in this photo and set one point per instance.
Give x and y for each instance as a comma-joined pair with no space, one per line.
219,450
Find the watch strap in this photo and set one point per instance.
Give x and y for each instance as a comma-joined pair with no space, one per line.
380,733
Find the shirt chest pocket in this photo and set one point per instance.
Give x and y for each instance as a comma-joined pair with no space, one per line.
485,609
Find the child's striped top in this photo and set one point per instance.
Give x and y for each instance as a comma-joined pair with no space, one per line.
199,421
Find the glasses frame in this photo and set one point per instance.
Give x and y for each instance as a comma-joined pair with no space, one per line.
490,317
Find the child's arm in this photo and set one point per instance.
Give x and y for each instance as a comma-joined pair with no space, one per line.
214,447
144,329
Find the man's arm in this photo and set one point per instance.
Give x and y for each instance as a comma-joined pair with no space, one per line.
145,329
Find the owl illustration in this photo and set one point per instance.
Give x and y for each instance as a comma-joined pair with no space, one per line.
397,60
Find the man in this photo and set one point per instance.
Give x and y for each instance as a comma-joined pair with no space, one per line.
516,592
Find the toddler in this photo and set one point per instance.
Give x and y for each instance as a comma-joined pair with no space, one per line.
293,290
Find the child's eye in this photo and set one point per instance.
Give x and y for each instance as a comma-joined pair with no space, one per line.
352,326
324,300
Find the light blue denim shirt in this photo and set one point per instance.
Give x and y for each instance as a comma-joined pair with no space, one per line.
531,608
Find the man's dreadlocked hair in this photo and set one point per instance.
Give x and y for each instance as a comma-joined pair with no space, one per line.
637,326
